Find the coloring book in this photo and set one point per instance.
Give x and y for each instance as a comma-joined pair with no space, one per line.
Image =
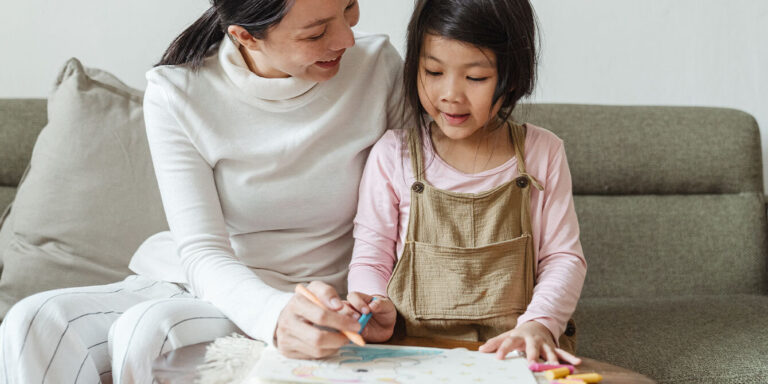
382,364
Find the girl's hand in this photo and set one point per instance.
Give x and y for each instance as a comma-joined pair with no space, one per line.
297,336
537,341
382,322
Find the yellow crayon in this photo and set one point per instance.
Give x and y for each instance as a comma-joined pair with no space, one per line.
568,381
587,377
556,373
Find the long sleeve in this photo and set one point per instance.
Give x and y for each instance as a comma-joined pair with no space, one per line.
561,264
376,223
195,218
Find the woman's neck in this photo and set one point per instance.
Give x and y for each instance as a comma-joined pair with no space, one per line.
485,150
255,62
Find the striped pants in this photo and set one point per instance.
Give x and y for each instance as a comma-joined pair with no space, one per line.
108,333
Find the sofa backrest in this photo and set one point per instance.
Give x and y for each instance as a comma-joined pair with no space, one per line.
669,199
21,120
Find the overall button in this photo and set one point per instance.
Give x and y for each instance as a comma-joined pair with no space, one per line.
522,182
418,187
570,329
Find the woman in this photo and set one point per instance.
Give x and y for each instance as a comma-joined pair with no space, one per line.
259,119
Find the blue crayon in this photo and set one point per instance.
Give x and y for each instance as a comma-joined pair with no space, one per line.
363,320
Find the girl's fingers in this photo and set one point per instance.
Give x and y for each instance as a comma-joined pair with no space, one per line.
549,354
492,344
532,349
508,345
360,301
567,356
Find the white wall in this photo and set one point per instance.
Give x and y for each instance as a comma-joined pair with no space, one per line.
661,52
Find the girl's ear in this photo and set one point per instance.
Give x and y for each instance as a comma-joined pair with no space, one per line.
242,37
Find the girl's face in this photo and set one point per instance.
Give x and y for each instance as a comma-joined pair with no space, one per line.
456,85
309,41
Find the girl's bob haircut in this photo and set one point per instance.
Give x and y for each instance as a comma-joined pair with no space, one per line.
506,27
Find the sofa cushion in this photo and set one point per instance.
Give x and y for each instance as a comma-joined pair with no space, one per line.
90,197
687,339
655,150
669,245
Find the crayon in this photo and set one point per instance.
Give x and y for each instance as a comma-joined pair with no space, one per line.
539,367
568,381
587,377
363,320
354,337
557,373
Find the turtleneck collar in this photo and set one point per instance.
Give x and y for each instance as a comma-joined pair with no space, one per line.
280,89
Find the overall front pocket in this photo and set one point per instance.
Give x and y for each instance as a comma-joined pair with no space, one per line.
469,283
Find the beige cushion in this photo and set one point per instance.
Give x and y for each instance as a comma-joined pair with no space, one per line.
90,197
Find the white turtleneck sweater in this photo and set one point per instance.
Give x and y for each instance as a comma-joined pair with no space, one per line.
259,177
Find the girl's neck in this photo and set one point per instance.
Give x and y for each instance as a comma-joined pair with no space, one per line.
487,149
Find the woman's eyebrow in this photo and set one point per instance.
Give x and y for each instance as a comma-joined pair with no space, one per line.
317,22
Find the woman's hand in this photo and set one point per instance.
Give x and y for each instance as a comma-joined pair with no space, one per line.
297,334
382,322
535,339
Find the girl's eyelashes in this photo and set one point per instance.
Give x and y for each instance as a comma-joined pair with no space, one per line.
351,5
470,78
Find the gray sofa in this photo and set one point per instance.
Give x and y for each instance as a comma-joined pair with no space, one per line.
673,223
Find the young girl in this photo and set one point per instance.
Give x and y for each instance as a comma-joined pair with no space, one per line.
465,225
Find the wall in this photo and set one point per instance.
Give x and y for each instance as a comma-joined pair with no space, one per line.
682,52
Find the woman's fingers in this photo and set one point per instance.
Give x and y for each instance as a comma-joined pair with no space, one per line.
567,356
311,312
348,310
313,342
326,293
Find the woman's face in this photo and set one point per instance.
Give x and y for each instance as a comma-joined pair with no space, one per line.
309,41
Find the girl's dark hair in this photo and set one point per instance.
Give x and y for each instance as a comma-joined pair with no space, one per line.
506,27
194,44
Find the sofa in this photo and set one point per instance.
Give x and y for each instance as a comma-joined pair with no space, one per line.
672,216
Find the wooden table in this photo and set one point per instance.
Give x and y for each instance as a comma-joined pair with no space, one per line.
179,366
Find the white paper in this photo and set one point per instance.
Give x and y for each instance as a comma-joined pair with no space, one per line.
393,364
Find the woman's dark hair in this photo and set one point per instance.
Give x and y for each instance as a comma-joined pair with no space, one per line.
506,27
255,16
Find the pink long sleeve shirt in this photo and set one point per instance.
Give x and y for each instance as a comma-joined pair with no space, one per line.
384,205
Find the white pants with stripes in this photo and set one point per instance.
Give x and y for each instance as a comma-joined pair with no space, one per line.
108,333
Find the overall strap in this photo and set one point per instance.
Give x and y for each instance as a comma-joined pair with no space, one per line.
415,150
518,141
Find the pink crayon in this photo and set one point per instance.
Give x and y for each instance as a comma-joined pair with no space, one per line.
538,367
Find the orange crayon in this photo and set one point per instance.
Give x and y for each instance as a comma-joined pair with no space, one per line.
587,377
557,373
353,337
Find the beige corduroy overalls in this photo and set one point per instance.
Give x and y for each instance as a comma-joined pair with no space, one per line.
468,264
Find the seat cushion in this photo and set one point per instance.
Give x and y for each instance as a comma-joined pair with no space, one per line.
694,244
693,339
